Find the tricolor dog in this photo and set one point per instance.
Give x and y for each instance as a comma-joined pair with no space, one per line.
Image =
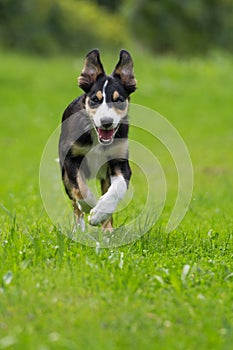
94,139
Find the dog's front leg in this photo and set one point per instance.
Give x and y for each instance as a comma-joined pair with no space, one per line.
86,200
108,202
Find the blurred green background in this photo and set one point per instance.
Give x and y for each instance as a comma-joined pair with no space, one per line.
166,290
66,26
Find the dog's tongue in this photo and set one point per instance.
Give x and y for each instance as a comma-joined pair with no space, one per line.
105,135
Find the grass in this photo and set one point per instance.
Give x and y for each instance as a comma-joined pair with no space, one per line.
164,291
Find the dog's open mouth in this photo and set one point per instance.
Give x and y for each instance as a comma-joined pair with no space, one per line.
106,135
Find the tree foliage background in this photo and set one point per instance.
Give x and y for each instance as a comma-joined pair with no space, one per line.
66,26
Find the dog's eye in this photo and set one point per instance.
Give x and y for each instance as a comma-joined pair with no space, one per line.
119,99
94,100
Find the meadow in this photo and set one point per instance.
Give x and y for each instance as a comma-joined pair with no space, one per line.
167,290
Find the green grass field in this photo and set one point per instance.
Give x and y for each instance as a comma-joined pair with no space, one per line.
164,291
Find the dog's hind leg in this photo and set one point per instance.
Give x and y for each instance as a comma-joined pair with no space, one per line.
81,196
83,200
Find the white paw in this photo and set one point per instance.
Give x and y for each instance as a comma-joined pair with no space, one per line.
96,217
108,202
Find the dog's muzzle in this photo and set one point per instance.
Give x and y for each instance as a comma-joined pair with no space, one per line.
106,131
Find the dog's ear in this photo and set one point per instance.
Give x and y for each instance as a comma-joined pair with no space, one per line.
92,69
124,71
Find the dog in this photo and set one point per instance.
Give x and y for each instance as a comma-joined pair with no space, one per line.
94,139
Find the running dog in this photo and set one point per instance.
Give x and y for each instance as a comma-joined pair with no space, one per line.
94,139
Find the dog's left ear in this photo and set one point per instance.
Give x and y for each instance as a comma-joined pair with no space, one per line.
92,69
124,71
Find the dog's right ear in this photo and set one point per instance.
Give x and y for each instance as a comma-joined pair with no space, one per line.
92,69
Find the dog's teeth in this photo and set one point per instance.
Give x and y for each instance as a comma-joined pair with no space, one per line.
106,135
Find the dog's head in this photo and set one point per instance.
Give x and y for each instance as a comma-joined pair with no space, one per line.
107,97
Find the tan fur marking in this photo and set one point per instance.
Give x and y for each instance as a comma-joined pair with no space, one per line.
78,150
121,112
81,192
77,211
67,183
115,96
118,172
99,95
107,225
83,189
76,194
90,111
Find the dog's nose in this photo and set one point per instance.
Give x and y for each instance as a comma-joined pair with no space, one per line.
106,122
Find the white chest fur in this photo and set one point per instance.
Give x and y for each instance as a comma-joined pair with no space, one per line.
98,156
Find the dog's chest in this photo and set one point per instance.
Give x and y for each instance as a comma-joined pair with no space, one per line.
97,156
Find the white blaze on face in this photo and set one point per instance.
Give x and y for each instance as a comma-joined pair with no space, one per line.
104,91
103,111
